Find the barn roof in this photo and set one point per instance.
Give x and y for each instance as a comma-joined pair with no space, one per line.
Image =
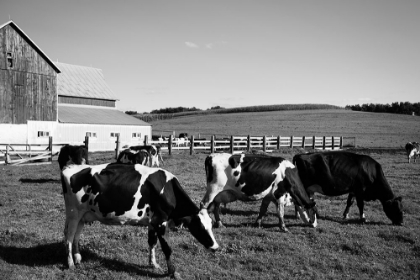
91,115
26,37
83,81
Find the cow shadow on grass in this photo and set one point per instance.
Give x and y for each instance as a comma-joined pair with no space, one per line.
55,254
353,221
39,181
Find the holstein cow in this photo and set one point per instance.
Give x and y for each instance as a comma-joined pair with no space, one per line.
254,177
336,173
413,150
118,194
135,157
153,150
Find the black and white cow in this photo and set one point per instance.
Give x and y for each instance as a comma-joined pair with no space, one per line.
153,150
336,173
135,157
413,150
254,177
118,194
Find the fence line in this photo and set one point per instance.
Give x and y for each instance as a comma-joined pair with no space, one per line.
239,144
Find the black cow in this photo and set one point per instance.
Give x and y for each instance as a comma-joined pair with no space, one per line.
135,157
413,150
254,177
153,150
337,172
119,194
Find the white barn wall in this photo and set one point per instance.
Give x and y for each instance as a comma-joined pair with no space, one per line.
75,134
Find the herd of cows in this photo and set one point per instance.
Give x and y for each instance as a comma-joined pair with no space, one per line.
135,191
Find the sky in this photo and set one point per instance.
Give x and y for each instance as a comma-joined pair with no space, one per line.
233,53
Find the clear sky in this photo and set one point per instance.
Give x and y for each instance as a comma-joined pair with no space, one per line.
230,53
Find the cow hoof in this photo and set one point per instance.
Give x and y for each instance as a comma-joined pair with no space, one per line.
219,225
363,220
77,259
176,276
284,230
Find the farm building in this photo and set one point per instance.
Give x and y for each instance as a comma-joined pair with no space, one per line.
40,98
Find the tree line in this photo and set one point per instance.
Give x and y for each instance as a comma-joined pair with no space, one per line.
405,108
220,110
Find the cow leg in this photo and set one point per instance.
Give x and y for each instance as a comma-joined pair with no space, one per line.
280,203
263,209
70,229
152,240
76,252
350,201
167,251
222,197
361,204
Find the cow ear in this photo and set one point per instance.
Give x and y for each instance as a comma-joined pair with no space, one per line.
185,220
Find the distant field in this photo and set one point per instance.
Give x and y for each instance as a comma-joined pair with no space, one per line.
370,129
32,221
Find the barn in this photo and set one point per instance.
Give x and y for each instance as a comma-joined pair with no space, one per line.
41,98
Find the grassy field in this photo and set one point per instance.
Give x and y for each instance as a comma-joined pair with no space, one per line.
370,129
32,220
32,214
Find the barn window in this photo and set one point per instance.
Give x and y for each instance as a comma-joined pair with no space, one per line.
9,57
115,134
91,134
43,133
136,135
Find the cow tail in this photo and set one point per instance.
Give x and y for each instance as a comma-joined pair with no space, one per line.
208,166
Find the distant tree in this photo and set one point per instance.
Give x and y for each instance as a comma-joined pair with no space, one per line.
216,107
395,108
131,112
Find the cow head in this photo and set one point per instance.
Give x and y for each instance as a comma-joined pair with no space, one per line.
394,210
72,155
200,226
308,214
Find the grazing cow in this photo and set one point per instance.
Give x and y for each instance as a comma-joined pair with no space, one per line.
153,150
118,194
254,177
413,150
336,173
73,155
135,157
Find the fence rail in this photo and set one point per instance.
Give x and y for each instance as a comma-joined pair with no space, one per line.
239,144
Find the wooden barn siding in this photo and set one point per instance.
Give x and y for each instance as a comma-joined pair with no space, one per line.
85,101
28,91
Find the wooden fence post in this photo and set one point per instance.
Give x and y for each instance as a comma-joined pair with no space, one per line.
278,142
323,142
264,143
291,141
117,148
170,145
231,144
313,143
7,160
192,145
212,144
146,140
87,142
50,141
248,143
341,142
303,141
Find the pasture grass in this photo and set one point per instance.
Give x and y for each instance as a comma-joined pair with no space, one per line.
370,129
32,221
